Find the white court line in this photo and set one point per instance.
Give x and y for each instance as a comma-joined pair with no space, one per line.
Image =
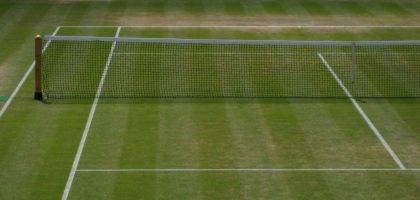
25,76
203,53
251,26
246,170
267,53
89,122
363,114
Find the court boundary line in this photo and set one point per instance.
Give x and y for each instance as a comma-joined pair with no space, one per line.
25,76
363,114
245,169
79,152
244,26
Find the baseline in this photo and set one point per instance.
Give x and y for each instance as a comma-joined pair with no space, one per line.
246,170
248,26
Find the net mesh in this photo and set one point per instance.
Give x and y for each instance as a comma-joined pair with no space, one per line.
72,68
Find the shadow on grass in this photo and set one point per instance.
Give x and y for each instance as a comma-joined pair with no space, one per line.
287,100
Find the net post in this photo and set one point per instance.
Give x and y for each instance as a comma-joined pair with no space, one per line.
38,54
353,62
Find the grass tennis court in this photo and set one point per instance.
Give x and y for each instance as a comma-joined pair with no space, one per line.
206,148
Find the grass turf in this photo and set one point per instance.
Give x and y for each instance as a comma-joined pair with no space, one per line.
38,141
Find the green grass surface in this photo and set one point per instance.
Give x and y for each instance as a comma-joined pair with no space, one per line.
38,141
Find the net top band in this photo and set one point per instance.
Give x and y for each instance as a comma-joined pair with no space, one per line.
231,41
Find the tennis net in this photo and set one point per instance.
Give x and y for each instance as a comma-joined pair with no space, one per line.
72,68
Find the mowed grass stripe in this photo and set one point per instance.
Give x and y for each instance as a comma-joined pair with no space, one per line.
273,7
194,7
4,8
77,10
411,6
97,13
105,146
177,147
140,148
10,16
214,7
26,163
254,8
115,12
395,8
314,8
304,185
14,35
12,64
156,6
233,7
354,8
253,145
295,8
41,126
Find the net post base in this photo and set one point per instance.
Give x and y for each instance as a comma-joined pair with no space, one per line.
38,96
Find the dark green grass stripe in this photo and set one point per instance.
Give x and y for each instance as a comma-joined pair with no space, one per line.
77,11
24,160
114,11
215,141
379,183
9,136
394,8
273,7
17,34
156,6
312,183
354,8
140,139
294,147
4,8
413,7
194,6
45,176
233,7
147,135
315,8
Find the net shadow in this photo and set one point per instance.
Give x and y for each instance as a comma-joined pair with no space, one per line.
200,100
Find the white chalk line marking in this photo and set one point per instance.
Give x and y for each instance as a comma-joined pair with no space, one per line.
265,53
25,76
249,26
363,114
246,170
89,122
